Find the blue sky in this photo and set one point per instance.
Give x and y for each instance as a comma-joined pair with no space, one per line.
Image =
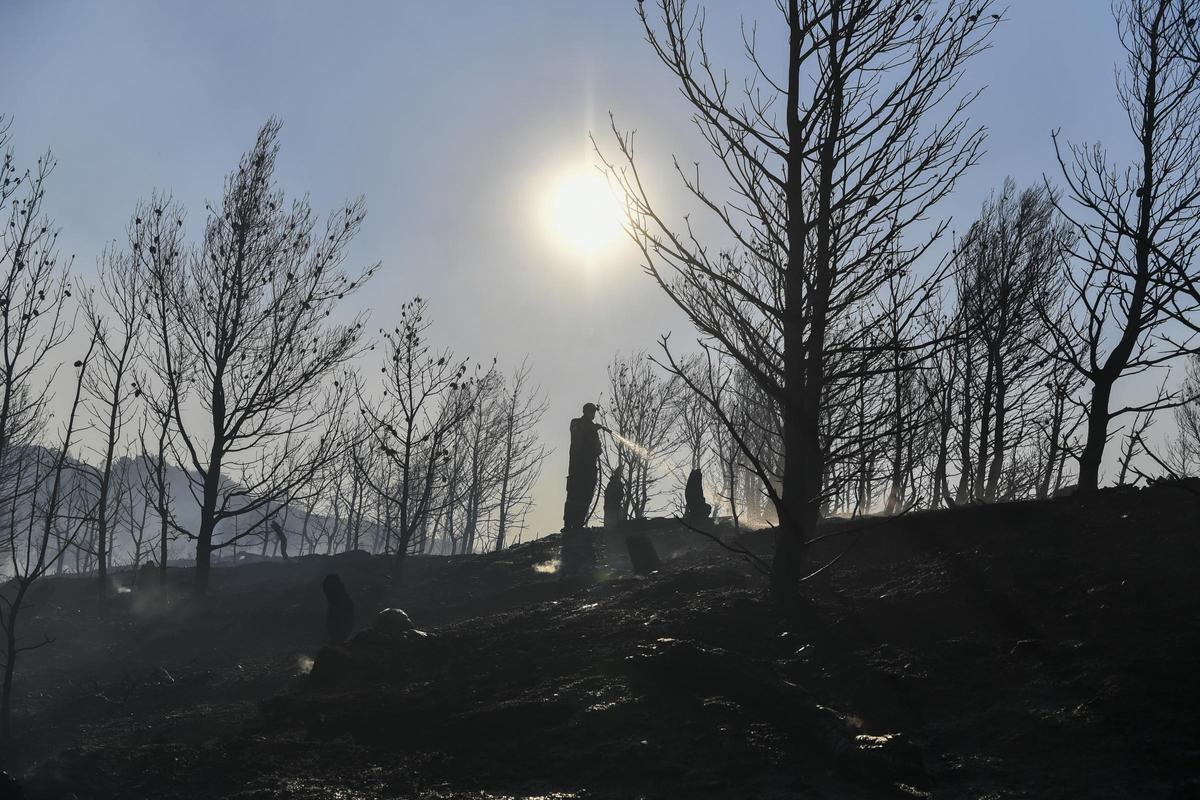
452,118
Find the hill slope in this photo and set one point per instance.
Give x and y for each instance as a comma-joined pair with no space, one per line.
1028,650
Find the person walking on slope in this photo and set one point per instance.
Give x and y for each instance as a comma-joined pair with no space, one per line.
583,468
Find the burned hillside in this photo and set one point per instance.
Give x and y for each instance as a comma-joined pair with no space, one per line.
793,399
1040,650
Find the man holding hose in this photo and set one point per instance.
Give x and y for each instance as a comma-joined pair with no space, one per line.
583,467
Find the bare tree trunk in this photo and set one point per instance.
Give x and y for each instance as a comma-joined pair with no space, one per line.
962,493
803,356
998,442
1097,436
10,667
985,430
1058,402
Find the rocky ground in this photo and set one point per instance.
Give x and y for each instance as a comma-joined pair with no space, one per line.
1026,650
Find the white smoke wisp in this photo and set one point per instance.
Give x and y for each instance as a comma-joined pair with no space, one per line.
153,601
547,567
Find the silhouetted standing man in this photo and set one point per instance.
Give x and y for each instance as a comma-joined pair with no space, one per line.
583,468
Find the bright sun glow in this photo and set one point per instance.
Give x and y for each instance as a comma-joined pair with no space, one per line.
583,214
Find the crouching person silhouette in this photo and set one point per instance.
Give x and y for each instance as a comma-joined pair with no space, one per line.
695,506
614,499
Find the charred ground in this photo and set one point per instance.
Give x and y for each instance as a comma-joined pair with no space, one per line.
1025,650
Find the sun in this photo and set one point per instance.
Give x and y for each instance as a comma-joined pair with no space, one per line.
584,215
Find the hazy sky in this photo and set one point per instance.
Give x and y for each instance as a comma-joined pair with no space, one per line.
454,119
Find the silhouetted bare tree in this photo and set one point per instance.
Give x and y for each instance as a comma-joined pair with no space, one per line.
34,285
36,534
693,421
480,439
1057,425
114,313
246,354
1137,225
155,486
1010,265
521,454
1135,438
1183,456
830,164
639,409
720,381
426,397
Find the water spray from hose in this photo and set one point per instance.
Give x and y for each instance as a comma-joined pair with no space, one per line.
649,456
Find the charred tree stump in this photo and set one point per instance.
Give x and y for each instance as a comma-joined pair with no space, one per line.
580,555
339,621
642,554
